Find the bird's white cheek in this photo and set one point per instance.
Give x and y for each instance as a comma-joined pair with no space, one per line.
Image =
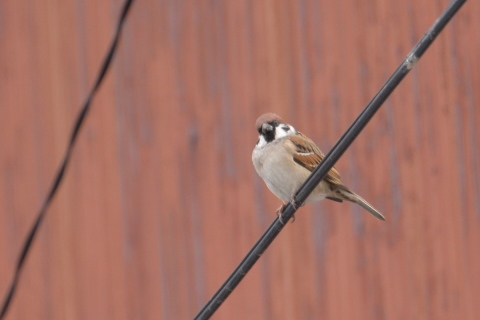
283,131
261,142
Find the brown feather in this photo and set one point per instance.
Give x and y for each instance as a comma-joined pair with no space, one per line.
267,118
308,155
334,199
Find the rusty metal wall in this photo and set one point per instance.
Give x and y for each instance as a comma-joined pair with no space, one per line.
161,200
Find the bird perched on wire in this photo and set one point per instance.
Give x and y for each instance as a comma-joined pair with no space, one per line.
284,158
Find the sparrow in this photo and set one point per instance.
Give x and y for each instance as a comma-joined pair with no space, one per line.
284,158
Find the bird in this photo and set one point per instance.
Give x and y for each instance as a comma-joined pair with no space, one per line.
284,158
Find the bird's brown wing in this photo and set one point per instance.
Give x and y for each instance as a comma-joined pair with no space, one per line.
308,155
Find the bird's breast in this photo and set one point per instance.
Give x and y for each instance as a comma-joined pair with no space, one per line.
276,167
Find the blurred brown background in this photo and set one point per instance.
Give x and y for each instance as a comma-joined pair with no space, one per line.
161,201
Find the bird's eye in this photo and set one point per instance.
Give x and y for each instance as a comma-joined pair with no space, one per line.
274,123
286,128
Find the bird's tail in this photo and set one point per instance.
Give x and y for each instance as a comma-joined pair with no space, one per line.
353,197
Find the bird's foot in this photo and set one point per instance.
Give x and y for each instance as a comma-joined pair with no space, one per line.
295,204
280,212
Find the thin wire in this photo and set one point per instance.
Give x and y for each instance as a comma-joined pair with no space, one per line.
63,166
327,163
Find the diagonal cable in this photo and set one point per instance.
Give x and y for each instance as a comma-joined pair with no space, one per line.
66,159
327,163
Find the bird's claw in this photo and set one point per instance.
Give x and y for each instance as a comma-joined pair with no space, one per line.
295,204
280,211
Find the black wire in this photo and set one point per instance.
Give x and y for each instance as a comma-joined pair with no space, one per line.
61,171
327,163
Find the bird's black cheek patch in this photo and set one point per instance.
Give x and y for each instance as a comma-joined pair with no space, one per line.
286,129
269,136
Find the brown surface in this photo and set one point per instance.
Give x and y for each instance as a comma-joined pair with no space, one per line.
161,201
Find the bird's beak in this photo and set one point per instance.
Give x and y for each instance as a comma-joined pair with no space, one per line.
267,127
